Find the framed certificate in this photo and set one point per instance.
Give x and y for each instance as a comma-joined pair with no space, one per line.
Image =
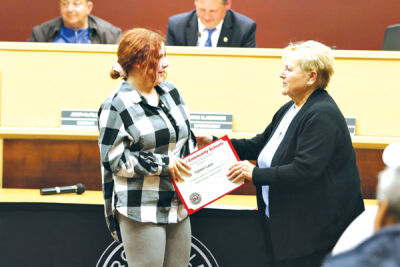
209,180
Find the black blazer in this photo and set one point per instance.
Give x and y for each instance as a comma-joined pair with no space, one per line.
237,30
314,181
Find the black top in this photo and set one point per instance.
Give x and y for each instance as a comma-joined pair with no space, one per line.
101,31
314,181
237,30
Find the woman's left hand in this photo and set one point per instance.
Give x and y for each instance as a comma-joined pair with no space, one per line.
178,166
241,169
203,140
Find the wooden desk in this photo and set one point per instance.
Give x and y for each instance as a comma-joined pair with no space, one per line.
90,197
37,153
13,195
59,157
73,76
37,133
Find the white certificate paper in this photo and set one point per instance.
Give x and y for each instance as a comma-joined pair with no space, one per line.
209,180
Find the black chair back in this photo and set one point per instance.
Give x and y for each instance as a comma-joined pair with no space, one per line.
391,40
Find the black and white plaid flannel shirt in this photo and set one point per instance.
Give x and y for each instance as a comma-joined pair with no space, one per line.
135,141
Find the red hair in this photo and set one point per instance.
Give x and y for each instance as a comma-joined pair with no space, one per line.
139,48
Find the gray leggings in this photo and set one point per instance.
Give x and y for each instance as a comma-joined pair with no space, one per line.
153,245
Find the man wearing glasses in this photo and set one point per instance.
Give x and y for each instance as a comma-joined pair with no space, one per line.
76,25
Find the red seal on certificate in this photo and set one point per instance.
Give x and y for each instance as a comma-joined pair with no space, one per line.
195,198
209,180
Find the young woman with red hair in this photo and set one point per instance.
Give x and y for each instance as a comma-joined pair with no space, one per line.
144,133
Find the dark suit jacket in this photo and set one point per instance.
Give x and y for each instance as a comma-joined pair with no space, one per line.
239,30
314,181
381,249
101,32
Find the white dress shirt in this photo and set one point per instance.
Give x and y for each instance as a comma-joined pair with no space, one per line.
203,34
265,158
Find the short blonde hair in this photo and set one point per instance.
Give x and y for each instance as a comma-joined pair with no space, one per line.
312,56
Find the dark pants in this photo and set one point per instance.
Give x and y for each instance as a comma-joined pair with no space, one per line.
312,260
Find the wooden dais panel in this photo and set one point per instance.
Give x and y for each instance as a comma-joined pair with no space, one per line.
369,163
49,163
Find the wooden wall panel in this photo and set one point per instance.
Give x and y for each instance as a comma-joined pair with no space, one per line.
48,163
369,163
357,24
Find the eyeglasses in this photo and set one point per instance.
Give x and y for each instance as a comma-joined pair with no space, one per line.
76,3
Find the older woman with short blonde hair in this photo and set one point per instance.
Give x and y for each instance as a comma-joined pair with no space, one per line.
312,56
306,178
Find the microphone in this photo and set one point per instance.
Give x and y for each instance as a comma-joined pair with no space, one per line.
79,189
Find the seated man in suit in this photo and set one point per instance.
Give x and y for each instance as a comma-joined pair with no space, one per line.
76,25
381,249
211,24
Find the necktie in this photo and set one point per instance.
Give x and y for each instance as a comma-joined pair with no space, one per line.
208,42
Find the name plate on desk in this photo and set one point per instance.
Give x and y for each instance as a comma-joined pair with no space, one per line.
86,118
211,121
351,125
209,180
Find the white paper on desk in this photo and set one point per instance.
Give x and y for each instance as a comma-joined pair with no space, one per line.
209,180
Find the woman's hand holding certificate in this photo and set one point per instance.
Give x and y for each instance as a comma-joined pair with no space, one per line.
240,170
208,180
178,166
